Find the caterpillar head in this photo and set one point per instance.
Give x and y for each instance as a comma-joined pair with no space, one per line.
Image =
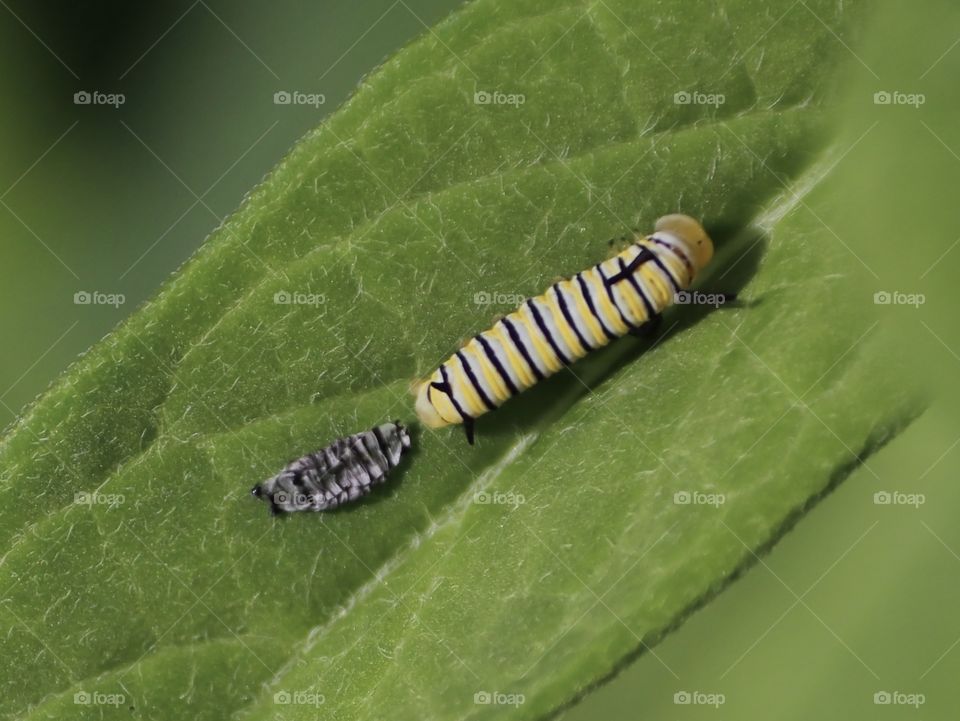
691,234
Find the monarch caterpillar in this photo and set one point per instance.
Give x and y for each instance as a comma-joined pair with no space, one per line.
340,473
573,317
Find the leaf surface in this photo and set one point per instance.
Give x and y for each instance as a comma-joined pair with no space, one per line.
537,561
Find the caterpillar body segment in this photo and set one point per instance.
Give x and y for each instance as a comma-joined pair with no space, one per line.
342,472
573,317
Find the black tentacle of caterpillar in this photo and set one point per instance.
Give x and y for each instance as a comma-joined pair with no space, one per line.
342,472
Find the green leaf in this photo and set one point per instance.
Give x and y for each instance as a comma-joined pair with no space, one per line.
173,589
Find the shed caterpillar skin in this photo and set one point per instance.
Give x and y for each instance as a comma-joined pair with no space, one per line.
573,317
342,472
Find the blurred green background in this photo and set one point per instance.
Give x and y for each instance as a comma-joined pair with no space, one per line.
860,599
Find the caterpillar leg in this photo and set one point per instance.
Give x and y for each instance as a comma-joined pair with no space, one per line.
616,245
648,329
468,428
